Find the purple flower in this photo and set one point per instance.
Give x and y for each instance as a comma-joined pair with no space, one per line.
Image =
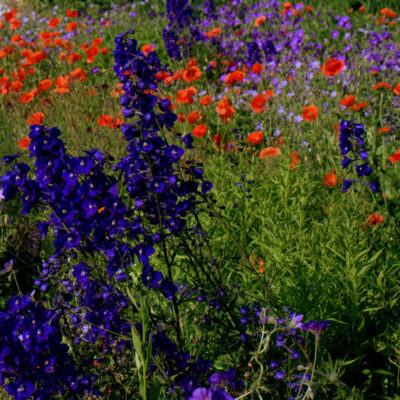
213,393
334,34
316,327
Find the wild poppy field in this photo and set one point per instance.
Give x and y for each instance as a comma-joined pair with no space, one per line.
200,200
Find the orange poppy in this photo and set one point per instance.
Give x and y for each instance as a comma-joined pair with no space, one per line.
36,118
396,89
259,21
185,96
332,67
24,143
310,113
331,179
192,74
258,102
269,152
205,100
199,130
348,101
53,22
224,109
193,117
255,137
44,85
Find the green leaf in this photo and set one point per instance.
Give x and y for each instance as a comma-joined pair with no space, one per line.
155,392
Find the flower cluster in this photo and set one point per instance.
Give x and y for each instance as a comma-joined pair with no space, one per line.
291,336
33,358
180,33
162,199
352,140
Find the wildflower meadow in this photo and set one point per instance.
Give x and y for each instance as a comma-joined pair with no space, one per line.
200,200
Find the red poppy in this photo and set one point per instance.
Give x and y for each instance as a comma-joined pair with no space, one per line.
269,152
26,97
255,137
15,24
310,113
78,74
348,101
396,89
192,74
331,179
395,157
216,139
381,84
374,219
257,68
199,131
53,22
10,15
294,155
258,102
185,96
24,143
388,12
61,81
385,129
71,26
72,57
36,118
16,86
44,85
259,21
359,106
71,13
146,48
236,76
225,110
193,117
332,67
205,100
